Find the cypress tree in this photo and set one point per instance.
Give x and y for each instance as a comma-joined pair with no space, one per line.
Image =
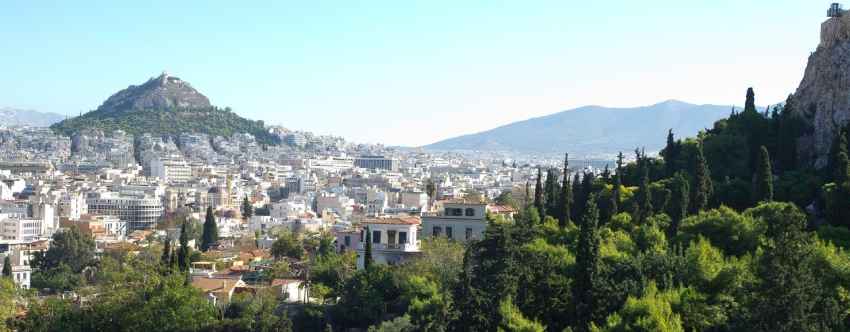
838,210
183,252
367,256
763,178
247,208
579,198
678,207
644,195
551,193
7,267
210,233
587,268
566,197
750,103
670,154
614,206
538,195
166,251
702,182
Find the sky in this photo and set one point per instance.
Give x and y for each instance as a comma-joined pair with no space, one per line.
406,72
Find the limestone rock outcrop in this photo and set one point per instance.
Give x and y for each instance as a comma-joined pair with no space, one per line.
163,92
823,97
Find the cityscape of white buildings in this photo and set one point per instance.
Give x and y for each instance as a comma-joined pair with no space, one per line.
119,188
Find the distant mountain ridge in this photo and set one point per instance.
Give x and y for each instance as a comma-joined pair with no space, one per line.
593,130
164,106
13,117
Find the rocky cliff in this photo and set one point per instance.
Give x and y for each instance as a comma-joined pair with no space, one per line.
163,92
823,97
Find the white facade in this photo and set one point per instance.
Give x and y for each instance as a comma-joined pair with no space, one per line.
457,221
393,240
174,170
20,229
139,212
73,205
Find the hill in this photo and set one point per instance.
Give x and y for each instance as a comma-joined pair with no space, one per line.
593,130
165,106
13,117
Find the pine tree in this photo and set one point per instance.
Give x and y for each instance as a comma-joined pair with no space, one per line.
763,178
247,208
538,195
367,256
702,187
183,253
566,197
587,268
210,231
838,211
7,267
678,207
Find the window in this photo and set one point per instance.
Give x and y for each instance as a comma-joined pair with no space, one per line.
454,212
436,231
347,241
402,237
448,232
468,233
376,236
470,212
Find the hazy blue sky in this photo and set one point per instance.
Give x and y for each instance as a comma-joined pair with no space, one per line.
405,72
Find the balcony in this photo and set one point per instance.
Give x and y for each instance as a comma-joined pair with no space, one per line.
406,247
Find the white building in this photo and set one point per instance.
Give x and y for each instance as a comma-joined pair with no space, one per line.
417,200
458,220
173,170
140,212
73,205
393,240
21,229
376,202
339,204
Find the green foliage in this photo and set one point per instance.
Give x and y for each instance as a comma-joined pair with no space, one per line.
210,233
513,320
7,267
168,122
288,244
736,234
651,312
763,178
367,297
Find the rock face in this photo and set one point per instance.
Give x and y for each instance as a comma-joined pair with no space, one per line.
823,97
163,92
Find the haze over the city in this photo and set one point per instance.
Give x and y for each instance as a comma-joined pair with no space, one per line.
413,73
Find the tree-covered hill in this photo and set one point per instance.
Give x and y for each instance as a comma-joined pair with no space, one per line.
164,106
169,122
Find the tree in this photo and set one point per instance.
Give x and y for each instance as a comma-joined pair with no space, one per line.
838,193
750,103
786,296
7,267
579,197
431,190
551,191
367,256
587,268
247,208
702,187
671,154
183,251
678,207
71,248
538,194
763,178
287,245
514,321
644,193
614,205
565,201
166,251
210,231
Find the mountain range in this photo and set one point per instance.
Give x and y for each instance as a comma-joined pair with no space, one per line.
591,131
14,117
